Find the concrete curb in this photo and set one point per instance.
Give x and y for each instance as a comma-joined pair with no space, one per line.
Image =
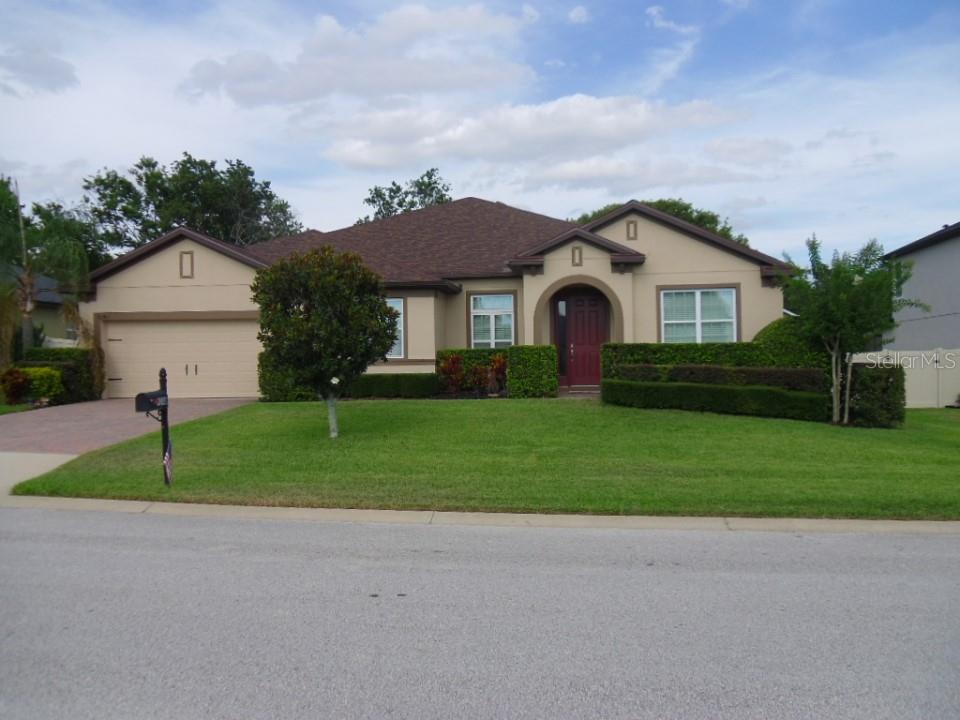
429,517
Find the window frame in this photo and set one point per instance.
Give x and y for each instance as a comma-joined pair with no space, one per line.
401,329
492,314
698,319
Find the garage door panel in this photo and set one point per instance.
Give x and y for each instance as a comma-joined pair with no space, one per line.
203,358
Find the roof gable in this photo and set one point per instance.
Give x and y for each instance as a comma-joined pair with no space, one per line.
770,265
169,238
620,255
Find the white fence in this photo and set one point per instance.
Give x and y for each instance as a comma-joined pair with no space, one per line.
933,376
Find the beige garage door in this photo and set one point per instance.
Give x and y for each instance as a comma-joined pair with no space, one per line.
203,358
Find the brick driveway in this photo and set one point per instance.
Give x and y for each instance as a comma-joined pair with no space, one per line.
82,427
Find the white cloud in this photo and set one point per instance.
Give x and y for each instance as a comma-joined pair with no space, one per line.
574,125
748,151
659,21
665,63
529,13
578,15
407,51
866,149
34,68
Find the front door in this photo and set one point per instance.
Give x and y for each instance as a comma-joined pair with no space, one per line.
583,327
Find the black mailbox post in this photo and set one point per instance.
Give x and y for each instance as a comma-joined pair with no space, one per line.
158,402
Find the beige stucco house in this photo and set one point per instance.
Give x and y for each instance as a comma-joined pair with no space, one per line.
470,273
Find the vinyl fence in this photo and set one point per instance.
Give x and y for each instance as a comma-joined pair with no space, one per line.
933,376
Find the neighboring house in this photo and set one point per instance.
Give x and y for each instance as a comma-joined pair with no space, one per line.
935,282
926,342
470,273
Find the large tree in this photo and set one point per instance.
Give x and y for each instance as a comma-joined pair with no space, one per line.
323,319
846,307
227,202
679,208
393,199
29,248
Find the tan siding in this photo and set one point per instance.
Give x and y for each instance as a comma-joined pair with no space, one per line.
674,258
455,309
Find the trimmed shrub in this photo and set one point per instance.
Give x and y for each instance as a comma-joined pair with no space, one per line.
742,354
45,383
81,382
16,385
418,385
643,373
878,397
394,385
783,343
532,371
471,356
729,399
803,379
280,384
69,378
451,373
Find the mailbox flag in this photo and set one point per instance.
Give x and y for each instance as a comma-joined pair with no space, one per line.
168,463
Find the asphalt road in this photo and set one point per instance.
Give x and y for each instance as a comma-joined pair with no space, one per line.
111,615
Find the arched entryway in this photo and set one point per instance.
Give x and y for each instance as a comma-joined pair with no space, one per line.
580,325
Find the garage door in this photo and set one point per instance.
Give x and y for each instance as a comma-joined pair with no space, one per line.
203,358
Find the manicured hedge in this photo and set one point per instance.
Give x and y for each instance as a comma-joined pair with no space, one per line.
395,385
785,347
81,369
471,357
778,345
805,379
614,355
532,371
45,383
729,399
279,384
878,397
643,373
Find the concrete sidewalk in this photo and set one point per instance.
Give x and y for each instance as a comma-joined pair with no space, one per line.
529,520
16,467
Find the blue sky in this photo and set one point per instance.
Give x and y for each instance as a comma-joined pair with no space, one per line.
838,118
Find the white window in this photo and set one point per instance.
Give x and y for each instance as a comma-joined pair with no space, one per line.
491,321
397,350
698,316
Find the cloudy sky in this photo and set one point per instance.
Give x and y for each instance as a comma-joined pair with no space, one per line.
835,117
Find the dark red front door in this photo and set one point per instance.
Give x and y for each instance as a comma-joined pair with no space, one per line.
584,315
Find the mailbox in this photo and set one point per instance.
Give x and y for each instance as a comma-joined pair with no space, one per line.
149,401
158,401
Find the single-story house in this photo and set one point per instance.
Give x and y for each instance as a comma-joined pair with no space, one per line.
470,273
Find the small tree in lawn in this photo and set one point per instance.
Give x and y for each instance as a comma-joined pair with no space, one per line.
323,315
847,307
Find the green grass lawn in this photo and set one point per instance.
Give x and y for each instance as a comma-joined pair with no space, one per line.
6,409
535,456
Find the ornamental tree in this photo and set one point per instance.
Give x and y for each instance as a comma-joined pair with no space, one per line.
324,317
847,307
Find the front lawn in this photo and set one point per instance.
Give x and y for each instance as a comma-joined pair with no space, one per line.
6,409
535,456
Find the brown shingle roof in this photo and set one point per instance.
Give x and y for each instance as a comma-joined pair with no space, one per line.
465,238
